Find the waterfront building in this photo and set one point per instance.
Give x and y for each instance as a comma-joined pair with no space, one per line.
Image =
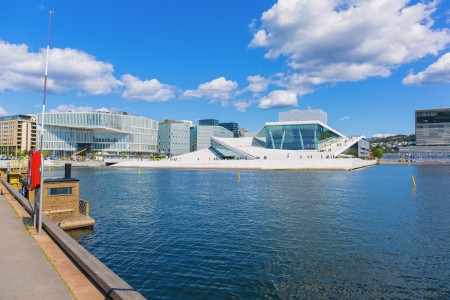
173,137
231,126
17,133
201,135
432,131
303,115
208,122
276,138
66,133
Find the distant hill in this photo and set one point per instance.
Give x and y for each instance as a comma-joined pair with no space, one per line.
399,138
392,143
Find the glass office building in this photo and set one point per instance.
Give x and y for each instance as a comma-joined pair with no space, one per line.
296,135
114,133
433,127
201,136
173,137
231,126
208,122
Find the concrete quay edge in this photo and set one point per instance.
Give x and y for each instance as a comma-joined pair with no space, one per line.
104,277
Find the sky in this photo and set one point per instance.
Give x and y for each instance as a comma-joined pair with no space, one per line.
368,63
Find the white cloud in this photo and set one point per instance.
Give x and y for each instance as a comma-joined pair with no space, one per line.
383,135
74,108
241,106
278,98
345,118
68,69
330,41
219,89
147,90
257,83
438,72
3,112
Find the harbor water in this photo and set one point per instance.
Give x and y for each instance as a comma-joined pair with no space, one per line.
207,234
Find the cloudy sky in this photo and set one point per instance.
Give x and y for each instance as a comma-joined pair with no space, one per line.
368,63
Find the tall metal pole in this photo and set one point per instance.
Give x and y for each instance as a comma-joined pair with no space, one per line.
40,193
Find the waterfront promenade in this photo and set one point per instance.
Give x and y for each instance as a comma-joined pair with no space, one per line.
25,272
84,274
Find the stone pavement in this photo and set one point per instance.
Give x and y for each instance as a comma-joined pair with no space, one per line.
25,272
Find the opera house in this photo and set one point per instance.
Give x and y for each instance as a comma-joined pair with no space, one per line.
300,140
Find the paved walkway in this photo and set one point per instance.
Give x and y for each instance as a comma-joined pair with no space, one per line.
25,272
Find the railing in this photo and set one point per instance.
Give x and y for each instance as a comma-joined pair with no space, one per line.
14,164
83,207
109,282
328,142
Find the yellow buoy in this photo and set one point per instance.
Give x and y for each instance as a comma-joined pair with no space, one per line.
239,176
139,171
414,181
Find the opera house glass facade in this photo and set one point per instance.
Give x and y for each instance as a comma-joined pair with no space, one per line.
295,135
113,133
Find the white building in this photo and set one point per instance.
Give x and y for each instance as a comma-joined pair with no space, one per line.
303,115
173,137
69,132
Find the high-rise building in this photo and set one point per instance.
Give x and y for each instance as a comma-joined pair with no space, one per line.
433,127
69,132
17,133
208,122
173,137
201,136
231,126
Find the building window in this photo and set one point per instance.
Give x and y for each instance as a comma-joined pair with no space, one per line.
59,191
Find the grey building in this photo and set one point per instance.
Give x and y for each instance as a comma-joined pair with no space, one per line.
173,137
208,122
433,127
303,115
432,131
231,126
201,136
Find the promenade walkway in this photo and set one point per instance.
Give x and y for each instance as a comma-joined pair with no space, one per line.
25,272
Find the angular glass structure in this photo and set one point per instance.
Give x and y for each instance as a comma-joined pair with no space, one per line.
68,132
296,135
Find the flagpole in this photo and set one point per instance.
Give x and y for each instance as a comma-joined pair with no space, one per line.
38,214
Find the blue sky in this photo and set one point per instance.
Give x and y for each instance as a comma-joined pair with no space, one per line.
368,63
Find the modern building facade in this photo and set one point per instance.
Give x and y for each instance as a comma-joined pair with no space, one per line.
303,115
299,135
200,137
432,132
173,137
69,132
208,122
433,127
17,133
294,137
231,126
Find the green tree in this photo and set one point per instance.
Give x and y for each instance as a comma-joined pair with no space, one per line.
378,153
353,152
47,153
24,152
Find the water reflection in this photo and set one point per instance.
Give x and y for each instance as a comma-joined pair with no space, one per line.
201,234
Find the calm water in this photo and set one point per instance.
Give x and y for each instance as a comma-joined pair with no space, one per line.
183,234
